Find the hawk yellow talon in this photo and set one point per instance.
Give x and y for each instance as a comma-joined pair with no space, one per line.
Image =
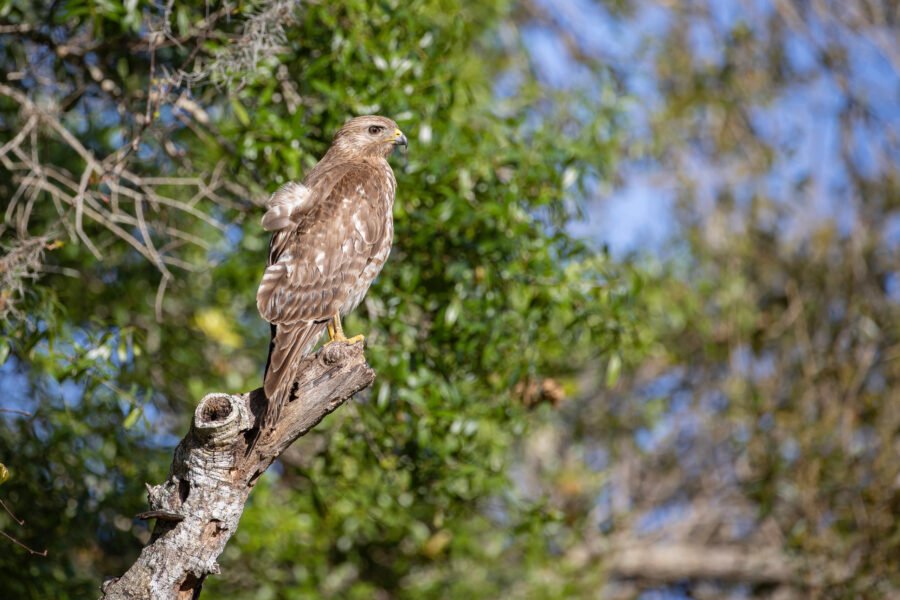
336,332
343,339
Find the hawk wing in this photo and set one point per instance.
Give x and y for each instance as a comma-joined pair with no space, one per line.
286,206
313,268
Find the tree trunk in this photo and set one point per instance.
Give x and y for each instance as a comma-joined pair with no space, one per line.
216,465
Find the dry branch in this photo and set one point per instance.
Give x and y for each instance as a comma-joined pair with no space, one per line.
144,212
215,466
91,188
678,562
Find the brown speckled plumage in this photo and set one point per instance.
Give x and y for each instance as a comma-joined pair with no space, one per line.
331,237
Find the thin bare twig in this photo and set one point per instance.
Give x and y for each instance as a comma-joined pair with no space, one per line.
16,411
20,522
81,201
18,543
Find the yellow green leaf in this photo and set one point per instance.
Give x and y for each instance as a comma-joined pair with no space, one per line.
613,370
216,325
132,417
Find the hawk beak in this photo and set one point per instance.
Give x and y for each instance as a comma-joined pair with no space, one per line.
400,139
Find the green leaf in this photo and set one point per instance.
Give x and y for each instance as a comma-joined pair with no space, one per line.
132,417
241,113
613,370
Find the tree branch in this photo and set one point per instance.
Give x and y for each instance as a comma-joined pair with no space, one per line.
215,466
678,562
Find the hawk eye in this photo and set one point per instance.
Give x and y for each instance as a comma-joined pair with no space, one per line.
376,129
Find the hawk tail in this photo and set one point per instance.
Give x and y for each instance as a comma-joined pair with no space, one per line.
290,343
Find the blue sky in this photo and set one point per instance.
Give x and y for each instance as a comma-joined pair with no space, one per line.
801,123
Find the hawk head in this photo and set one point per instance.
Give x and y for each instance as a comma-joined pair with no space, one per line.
369,136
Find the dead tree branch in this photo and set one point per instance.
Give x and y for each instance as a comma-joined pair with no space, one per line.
215,466
148,213
678,562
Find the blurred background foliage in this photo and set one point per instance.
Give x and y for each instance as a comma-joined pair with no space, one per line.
643,298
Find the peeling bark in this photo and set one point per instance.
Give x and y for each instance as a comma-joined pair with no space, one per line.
215,466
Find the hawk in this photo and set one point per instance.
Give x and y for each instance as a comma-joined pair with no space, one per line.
331,236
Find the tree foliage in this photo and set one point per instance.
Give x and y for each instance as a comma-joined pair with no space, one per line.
764,420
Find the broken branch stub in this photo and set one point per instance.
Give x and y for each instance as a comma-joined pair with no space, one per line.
198,507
